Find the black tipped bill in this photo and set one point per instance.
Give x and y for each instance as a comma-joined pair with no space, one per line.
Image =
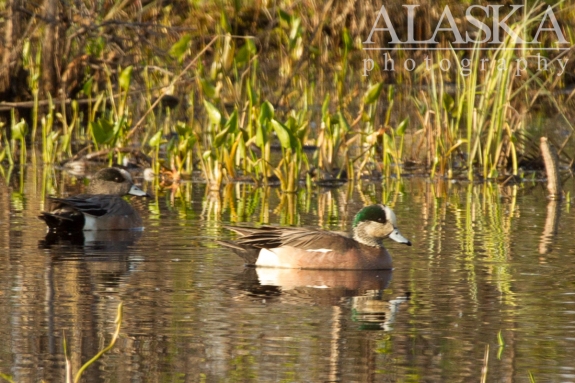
397,237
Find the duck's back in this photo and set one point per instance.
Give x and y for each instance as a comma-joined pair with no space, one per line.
91,212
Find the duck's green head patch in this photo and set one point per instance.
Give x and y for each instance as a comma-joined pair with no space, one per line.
376,213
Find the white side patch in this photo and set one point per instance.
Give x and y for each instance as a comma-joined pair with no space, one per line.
320,250
268,258
89,222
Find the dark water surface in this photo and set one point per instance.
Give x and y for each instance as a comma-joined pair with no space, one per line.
489,283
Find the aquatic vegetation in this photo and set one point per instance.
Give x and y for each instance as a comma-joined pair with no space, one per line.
222,99
484,101
19,131
69,369
277,95
118,322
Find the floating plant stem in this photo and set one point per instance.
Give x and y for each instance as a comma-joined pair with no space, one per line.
118,322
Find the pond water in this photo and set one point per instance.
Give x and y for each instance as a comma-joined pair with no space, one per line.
487,289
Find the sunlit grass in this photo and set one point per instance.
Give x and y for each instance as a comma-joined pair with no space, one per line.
231,111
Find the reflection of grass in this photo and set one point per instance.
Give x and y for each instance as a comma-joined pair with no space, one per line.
118,322
469,223
85,366
483,222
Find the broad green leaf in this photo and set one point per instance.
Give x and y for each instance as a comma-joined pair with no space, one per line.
344,125
207,154
183,144
285,18
334,119
208,89
232,122
126,78
246,52
295,30
102,130
372,93
192,139
119,126
284,135
179,49
19,130
213,113
400,130
291,124
266,113
183,129
221,136
261,136
172,143
87,88
156,139
187,143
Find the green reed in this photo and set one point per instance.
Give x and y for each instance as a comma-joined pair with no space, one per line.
332,141
290,136
482,101
33,67
19,131
50,135
118,322
493,124
233,110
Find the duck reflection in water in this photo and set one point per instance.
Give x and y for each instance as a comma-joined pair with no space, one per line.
91,243
360,290
105,254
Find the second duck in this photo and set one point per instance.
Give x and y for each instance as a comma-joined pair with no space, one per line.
101,208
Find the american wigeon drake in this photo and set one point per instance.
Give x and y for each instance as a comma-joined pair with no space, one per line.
101,208
304,248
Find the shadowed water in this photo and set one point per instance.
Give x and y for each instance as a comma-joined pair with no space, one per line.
490,272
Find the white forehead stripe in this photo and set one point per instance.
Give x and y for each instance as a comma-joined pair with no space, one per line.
320,250
390,215
126,175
